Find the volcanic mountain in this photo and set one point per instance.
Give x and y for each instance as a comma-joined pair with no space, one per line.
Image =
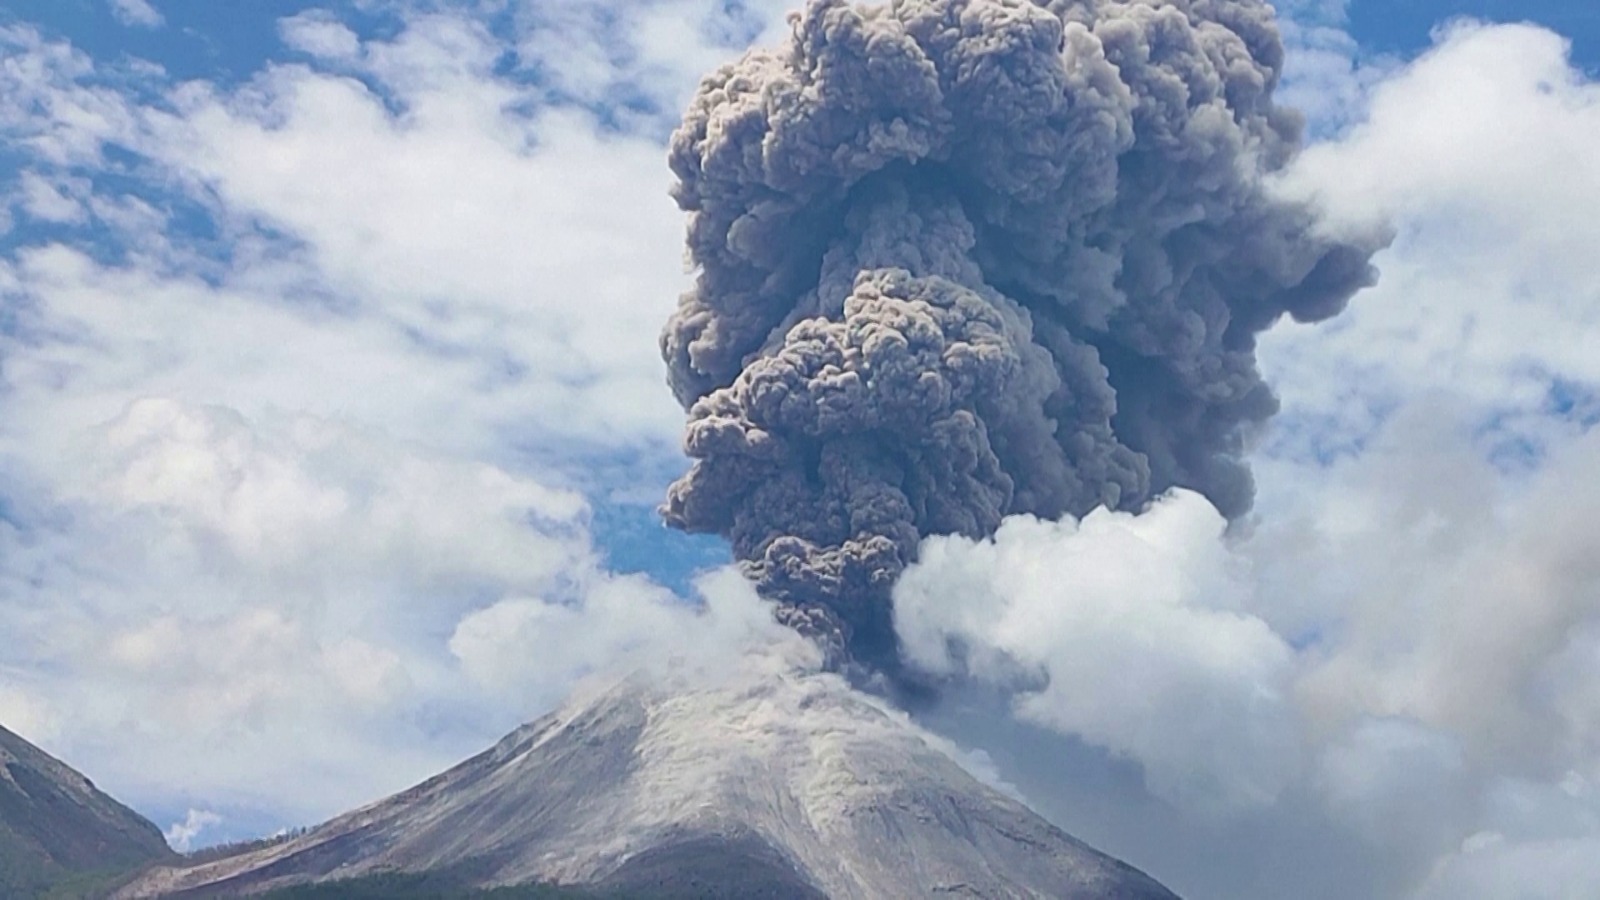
56,827
784,785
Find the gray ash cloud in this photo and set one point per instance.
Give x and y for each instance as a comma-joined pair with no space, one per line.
959,259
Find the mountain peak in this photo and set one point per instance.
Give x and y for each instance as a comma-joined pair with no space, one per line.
774,783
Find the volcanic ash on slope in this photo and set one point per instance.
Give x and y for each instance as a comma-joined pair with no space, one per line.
784,785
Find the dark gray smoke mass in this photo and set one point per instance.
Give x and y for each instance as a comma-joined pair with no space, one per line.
958,259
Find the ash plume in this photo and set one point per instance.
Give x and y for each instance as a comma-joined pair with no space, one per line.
959,259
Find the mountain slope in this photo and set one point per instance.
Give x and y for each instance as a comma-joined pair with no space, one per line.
55,825
781,785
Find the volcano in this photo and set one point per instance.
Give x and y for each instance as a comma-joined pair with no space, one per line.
788,784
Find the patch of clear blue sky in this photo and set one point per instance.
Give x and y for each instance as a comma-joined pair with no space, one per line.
223,41
624,486
1574,402
1402,27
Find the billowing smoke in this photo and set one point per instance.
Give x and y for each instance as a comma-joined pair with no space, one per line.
958,259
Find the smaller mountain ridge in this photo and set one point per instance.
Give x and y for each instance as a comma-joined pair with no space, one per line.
57,829
771,784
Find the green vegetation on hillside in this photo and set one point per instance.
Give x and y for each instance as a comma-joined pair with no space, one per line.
60,837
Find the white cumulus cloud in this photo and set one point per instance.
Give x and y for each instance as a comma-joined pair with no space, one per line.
181,835
137,13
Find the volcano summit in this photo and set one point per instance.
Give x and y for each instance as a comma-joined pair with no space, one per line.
776,783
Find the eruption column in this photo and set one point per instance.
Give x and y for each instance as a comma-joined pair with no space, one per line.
958,259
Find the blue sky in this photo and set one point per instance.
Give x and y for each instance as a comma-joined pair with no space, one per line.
231,42
1404,26
217,42
330,407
